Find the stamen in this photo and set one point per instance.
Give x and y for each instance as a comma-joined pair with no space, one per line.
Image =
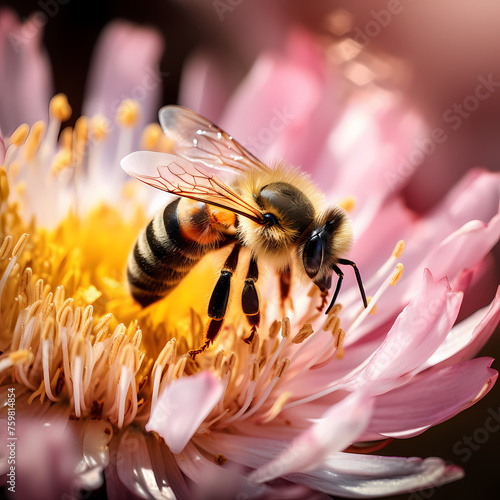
397,274
59,108
15,254
15,141
348,203
6,247
374,308
127,114
99,128
332,323
150,136
33,140
387,266
339,339
14,358
274,329
276,408
20,245
305,332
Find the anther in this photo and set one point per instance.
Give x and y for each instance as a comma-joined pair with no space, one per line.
332,323
48,329
348,203
276,408
398,249
254,370
59,107
282,368
339,339
63,160
396,276
99,128
305,332
334,311
220,459
127,114
20,245
151,135
374,308
19,135
274,329
286,328
20,356
33,311
217,361
6,247
33,140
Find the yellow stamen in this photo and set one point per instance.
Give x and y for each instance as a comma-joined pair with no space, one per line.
305,332
398,249
339,339
20,245
286,328
334,311
340,353
282,368
128,113
151,135
274,329
99,128
66,138
6,246
33,140
62,161
332,323
396,276
20,356
4,184
19,135
59,107
276,408
374,308
348,203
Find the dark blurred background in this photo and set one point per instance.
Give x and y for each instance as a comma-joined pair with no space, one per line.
444,48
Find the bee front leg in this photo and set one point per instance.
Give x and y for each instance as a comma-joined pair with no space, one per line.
219,300
250,299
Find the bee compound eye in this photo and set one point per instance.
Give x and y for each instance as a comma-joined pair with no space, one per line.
312,257
270,219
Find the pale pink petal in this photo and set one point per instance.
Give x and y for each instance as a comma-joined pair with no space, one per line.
182,407
25,79
417,332
277,123
468,337
430,398
2,148
205,85
334,431
371,476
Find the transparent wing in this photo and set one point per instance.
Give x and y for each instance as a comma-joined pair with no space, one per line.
181,177
202,142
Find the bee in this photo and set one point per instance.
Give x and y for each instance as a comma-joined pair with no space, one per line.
227,197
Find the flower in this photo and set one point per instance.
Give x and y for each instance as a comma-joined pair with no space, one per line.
294,414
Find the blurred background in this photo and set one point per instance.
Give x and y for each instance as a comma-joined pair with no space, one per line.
435,53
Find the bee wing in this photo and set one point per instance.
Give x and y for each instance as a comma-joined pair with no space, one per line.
202,142
181,177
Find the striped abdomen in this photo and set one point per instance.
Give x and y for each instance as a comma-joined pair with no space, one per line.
173,242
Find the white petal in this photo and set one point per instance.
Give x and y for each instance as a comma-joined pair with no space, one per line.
182,407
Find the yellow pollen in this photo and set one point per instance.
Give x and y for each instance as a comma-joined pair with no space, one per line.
6,247
33,140
150,136
398,249
128,113
19,135
4,184
99,128
66,138
20,356
274,329
282,368
20,245
62,160
286,328
339,339
331,324
305,332
59,107
348,203
396,276
81,132
103,322
374,308
220,459
340,353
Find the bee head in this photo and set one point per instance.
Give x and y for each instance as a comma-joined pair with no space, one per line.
330,237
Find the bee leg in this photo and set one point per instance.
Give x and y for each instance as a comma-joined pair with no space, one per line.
346,262
340,274
250,299
219,300
285,282
324,300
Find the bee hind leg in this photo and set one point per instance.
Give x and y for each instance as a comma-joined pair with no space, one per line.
250,299
219,301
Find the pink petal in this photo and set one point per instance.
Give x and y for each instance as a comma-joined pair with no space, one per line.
2,148
25,77
371,476
182,407
468,337
431,397
334,431
416,334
